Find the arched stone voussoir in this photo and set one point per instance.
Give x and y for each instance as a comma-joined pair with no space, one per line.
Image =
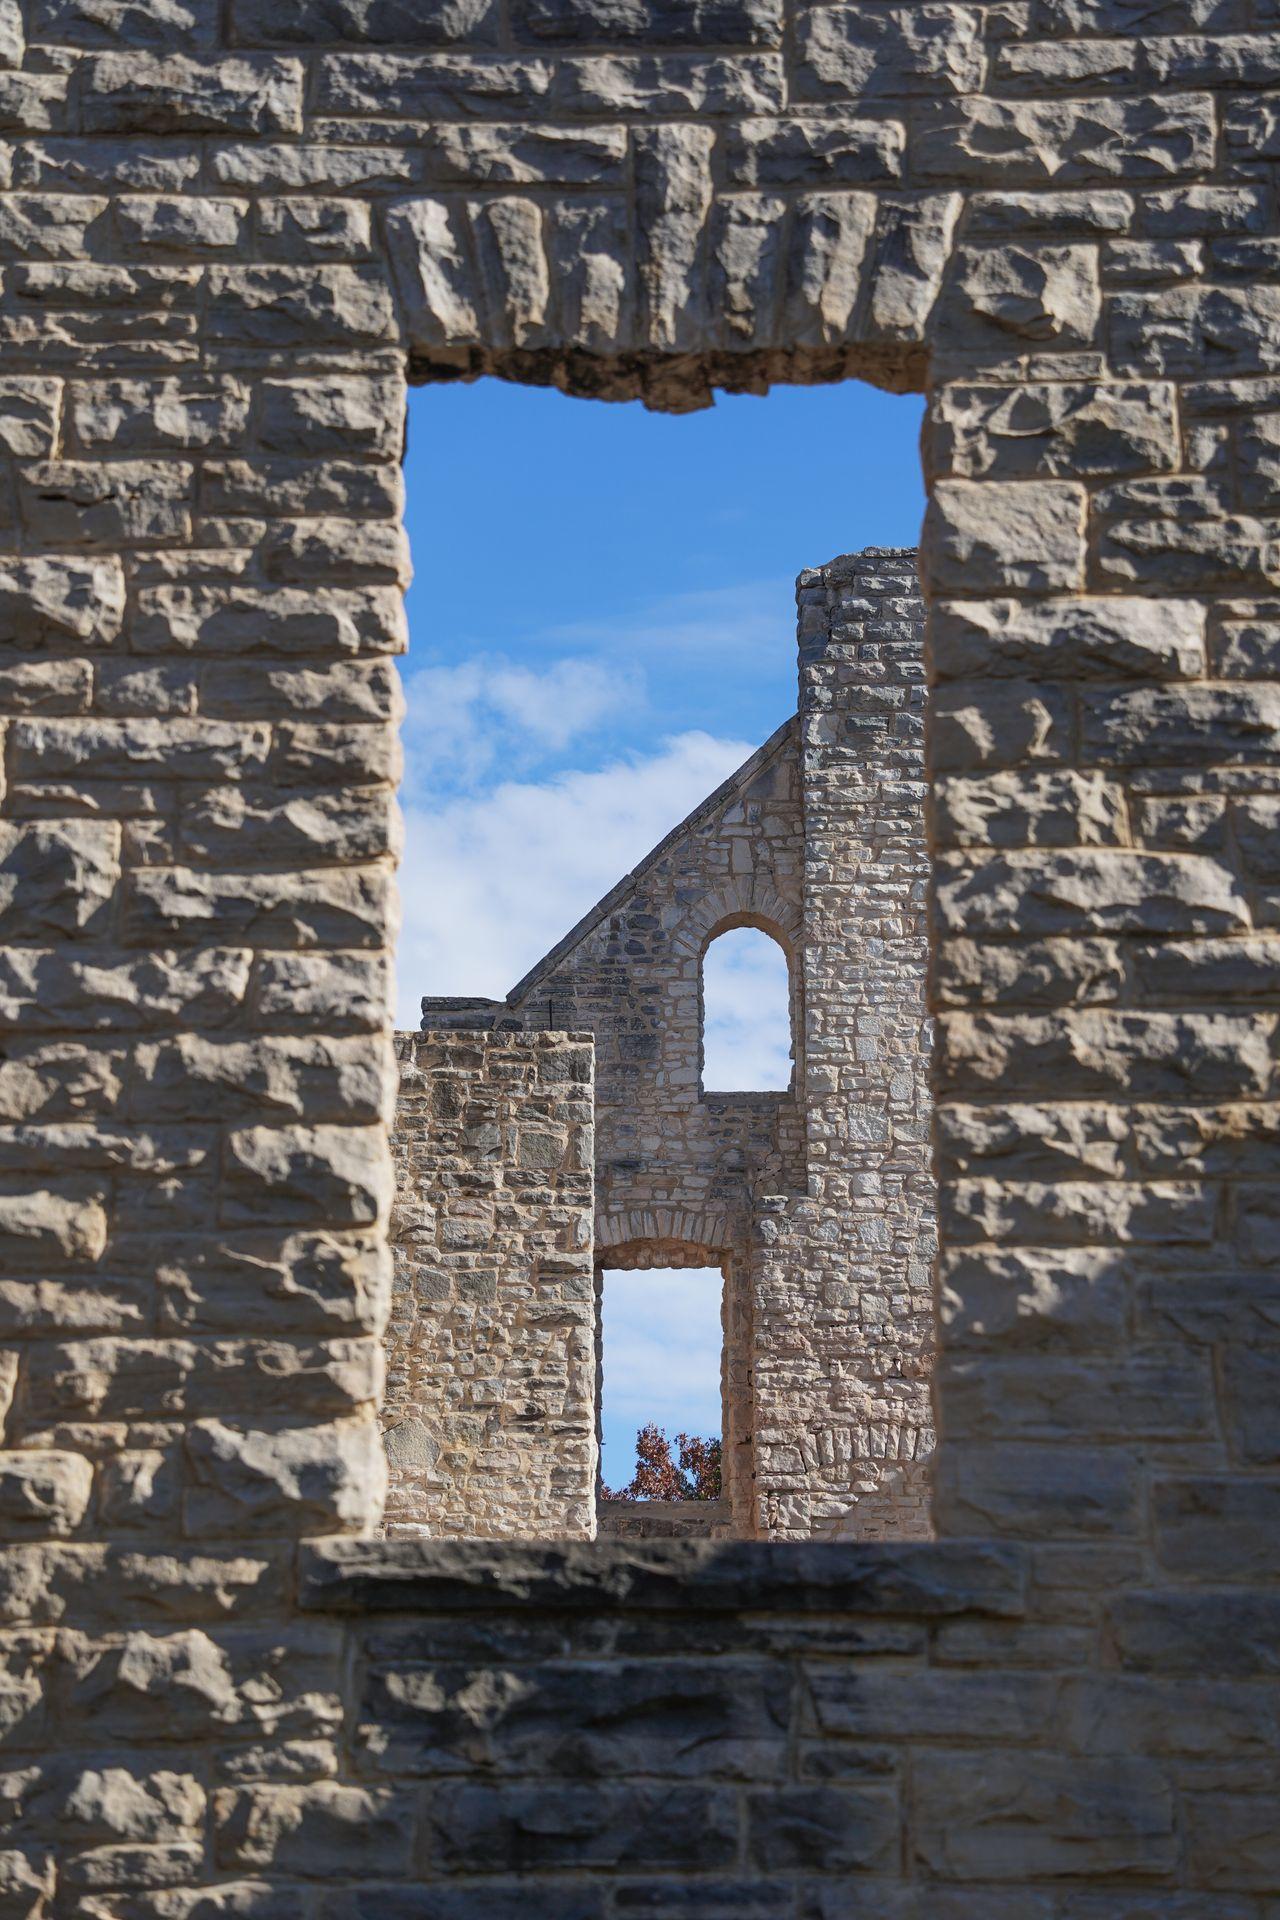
664,1236
741,902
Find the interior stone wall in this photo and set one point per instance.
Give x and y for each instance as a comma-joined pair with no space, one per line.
489,1412
229,233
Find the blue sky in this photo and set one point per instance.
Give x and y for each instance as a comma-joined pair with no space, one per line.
602,626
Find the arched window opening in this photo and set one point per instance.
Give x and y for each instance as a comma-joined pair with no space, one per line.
747,1044
661,1366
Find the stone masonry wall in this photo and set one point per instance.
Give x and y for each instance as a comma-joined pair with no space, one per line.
681,1728
817,1205
489,1411
227,234
843,1331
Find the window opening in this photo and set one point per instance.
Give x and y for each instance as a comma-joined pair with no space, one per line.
661,1363
746,1014
603,647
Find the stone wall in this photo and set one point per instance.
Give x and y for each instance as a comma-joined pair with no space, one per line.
231,232
843,1334
489,1411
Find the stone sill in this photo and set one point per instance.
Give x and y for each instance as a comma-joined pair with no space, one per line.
663,1519
764,1102
929,1579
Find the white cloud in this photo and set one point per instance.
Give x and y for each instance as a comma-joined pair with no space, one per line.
489,882
661,1351
464,721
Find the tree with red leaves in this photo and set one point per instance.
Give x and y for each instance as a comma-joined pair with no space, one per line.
658,1477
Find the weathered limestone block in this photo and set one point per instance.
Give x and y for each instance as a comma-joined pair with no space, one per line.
292,309
43,1491
861,51
1055,431
1063,143
307,1176
129,93
673,195
1097,1051
426,243
1078,891
1119,637
1003,294
343,22
248,1481
1031,810
912,249
229,230
993,537
187,25
831,234
1041,1815
659,22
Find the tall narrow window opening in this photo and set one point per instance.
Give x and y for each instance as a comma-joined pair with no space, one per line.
746,1014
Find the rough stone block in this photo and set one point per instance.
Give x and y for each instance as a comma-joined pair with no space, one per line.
123,503
325,908
317,1829
821,152
1064,143
646,1825
856,52
1025,1491
990,536
1211,1522
1030,1815
179,25
1070,1297
1117,638
322,1176
289,23
299,308
1182,726
1221,1633
1250,1399
719,1721
247,1481
126,93
827,1829
1060,431
1103,890
740,23
43,1491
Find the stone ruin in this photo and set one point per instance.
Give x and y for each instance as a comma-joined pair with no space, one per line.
816,1204
230,231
